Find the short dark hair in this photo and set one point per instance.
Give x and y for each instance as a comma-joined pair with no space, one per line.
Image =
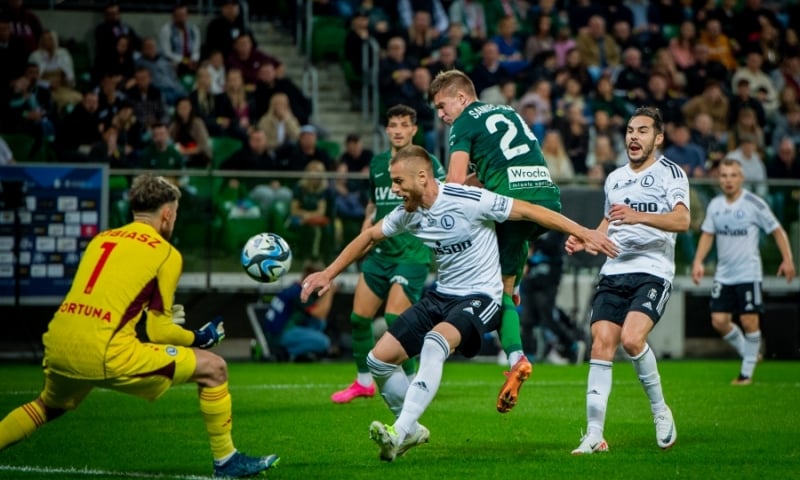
352,138
651,112
401,110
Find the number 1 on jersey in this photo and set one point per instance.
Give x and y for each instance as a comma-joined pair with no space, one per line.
101,262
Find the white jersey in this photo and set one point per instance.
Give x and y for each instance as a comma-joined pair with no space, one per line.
736,227
642,248
459,229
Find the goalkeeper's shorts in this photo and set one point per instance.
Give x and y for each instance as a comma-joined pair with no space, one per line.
151,373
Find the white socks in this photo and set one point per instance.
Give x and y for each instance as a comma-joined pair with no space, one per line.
752,345
647,370
391,380
736,339
435,351
364,379
597,391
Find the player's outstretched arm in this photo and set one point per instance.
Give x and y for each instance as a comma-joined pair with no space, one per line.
593,241
353,251
703,247
458,168
786,268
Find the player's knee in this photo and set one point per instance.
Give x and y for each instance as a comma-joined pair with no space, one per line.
632,345
211,368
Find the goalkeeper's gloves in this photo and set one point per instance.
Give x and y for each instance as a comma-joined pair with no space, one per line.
178,314
209,334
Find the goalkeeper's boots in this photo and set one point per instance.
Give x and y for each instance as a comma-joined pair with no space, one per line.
391,447
590,444
352,392
242,466
509,394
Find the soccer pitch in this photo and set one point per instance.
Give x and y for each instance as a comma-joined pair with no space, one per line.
724,432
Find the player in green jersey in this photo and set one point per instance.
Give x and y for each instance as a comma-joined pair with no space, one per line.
507,158
396,269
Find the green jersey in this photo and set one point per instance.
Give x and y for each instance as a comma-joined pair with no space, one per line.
403,248
505,153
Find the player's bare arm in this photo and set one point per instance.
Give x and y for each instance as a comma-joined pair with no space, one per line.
369,215
353,251
458,168
786,268
676,221
593,241
574,245
703,247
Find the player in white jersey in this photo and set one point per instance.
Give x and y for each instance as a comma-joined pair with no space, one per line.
457,223
735,218
647,203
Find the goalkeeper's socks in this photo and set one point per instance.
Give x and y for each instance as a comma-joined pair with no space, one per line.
215,405
21,423
221,461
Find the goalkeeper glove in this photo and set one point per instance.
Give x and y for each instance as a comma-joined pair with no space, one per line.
178,314
209,334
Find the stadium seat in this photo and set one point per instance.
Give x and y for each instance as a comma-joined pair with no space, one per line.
20,145
327,39
222,148
330,147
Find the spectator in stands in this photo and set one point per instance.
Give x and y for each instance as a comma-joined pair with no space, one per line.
713,102
108,32
720,48
419,101
189,135
752,71
788,126
785,166
446,59
130,131
600,124
355,43
161,153
162,73
224,29
681,47
300,326
279,124
490,71
32,109
351,195
472,16
684,152
80,129
307,217
558,162
108,151
465,51
753,167
703,135
563,44
148,104
663,64
748,21
507,8
248,59
121,65
109,97
580,14
604,98
406,10
788,77
575,132
421,40
743,98
379,23
598,49
746,124
543,38
503,94
770,45
235,107
215,65
659,96
540,95
56,69
510,44
703,71
306,150
601,159
633,77
395,73
25,25
621,31
180,41
269,84
725,12
12,54
573,96
204,102
574,67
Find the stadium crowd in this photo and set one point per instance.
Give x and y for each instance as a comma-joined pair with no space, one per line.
725,75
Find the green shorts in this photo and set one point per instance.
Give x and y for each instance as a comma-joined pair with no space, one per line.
512,240
380,274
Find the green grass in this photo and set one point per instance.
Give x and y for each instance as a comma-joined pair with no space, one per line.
725,432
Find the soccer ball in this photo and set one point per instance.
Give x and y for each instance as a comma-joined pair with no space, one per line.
266,257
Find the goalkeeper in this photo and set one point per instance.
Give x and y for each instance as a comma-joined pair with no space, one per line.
91,341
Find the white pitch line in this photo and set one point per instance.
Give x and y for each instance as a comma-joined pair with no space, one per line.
91,472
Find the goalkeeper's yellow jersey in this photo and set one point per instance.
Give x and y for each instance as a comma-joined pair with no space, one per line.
123,271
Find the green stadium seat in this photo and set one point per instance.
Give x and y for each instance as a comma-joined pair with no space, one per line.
222,148
330,147
327,38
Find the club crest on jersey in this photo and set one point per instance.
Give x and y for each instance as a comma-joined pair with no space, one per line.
171,351
648,181
476,303
448,222
739,213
